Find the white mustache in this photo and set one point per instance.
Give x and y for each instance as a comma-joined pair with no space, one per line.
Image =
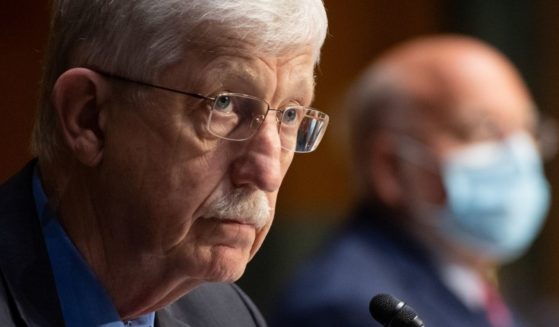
243,205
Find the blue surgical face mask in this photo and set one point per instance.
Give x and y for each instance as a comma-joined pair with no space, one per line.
497,197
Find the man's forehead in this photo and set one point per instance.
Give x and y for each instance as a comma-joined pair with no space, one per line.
244,69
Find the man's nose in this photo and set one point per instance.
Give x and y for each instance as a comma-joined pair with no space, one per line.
260,164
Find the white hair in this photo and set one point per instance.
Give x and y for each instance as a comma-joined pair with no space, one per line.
140,38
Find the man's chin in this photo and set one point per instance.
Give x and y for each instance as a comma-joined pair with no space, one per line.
228,264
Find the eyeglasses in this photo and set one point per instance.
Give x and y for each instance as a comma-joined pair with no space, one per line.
237,117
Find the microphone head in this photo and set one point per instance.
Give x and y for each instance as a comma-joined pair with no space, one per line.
391,312
383,307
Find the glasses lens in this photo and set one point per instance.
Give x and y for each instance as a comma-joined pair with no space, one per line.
236,117
302,129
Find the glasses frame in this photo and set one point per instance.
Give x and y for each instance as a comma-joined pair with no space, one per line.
324,117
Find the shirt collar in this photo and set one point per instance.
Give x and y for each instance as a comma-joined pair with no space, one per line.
83,299
465,283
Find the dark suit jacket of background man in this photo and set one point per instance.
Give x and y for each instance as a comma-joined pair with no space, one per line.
28,293
369,257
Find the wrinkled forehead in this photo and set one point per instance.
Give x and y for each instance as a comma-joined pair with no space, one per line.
230,64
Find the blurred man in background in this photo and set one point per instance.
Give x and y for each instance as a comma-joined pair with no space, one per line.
443,136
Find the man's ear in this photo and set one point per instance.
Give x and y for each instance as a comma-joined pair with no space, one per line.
78,97
383,169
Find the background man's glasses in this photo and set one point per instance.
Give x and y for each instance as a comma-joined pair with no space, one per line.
237,117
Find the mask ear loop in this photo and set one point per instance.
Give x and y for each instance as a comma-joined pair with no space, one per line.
417,153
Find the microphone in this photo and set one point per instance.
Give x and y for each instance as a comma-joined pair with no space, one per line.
391,312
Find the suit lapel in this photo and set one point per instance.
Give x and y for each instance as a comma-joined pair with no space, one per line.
24,261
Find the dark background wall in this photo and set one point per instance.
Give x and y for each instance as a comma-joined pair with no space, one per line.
317,190
23,33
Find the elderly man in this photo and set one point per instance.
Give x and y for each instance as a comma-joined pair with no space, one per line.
451,187
163,135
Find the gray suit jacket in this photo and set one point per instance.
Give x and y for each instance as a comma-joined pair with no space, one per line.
28,293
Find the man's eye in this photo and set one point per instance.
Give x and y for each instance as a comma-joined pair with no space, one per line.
290,115
223,103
